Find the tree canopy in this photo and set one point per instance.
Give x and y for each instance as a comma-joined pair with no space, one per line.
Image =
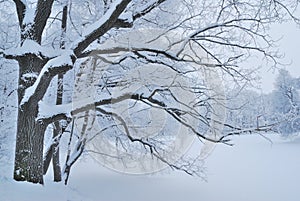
129,80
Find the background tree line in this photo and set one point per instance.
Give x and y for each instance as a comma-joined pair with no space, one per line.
279,108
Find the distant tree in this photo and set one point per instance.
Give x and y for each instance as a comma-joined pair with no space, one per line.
286,102
248,109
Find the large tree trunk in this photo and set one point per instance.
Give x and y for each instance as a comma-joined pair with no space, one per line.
30,132
29,146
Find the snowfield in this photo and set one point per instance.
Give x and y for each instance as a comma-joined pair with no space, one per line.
252,170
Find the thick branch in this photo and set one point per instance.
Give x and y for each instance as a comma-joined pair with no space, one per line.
102,26
20,6
60,112
142,53
120,23
43,12
52,68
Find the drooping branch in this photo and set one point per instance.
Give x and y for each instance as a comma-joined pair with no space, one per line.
175,113
147,145
149,100
130,137
142,52
65,111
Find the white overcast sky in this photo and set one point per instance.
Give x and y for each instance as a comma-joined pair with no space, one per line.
289,45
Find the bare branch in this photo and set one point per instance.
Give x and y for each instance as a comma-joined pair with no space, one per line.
148,9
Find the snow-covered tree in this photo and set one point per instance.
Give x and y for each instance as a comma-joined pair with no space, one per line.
245,107
98,40
278,109
285,103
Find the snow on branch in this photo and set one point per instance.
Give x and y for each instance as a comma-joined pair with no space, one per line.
100,27
51,112
29,14
31,47
52,67
58,112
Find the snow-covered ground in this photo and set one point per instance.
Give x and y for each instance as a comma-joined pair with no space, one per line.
252,170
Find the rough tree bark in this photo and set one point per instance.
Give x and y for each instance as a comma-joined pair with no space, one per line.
30,133
29,146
